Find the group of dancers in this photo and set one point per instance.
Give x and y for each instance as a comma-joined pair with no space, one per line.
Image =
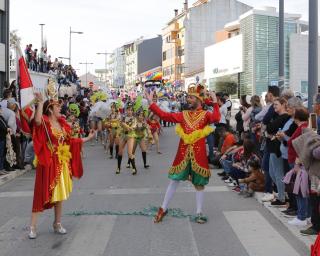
128,128
58,148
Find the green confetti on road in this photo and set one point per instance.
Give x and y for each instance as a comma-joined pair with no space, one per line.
150,211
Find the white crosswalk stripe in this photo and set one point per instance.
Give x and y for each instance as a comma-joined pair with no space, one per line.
119,191
174,238
257,236
9,234
92,237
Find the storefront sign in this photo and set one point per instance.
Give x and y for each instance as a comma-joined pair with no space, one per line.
224,58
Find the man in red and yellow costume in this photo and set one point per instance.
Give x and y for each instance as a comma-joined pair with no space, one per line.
191,161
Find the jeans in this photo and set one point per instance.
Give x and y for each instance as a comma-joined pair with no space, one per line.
276,174
226,165
265,167
2,151
210,141
303,207
29,153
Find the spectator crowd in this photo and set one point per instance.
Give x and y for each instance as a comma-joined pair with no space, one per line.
274,148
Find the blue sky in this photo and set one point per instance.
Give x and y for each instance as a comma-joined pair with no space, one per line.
106,24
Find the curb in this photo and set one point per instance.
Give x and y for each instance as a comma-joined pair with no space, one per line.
11,175
307,240
276,212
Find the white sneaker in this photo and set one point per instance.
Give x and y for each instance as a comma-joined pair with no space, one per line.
267,197
309,220
232,184
296,222
228,180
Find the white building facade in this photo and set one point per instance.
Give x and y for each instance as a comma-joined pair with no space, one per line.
299,63
201,23
259,56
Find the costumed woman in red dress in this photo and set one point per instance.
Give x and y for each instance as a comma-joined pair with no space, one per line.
191,162
58,158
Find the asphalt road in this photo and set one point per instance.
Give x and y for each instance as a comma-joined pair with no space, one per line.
105,215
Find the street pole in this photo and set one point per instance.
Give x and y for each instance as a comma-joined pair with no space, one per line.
105,53
86,63
106,67
313,53
70,47
281,45
41,34
72,32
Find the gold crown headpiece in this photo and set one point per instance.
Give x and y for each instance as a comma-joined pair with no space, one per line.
196,90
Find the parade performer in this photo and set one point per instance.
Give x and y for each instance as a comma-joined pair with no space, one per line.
155,128
58,158
143,133
73,121
191,161
127,137
113,125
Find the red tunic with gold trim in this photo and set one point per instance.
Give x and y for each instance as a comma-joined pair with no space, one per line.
49,160
193,128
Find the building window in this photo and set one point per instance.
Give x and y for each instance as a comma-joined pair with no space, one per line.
2,27
180,51
180,69
304,87
164,56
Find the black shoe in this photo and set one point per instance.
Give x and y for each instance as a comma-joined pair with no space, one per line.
222,174
225,177
309,232
146,166
134,171
291,213
277,202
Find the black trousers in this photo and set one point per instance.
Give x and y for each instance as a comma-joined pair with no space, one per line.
315,216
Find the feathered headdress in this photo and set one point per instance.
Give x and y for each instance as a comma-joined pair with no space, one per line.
98,96
74,109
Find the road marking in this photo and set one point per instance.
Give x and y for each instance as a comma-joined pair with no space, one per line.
120,191
16,194
13,232
92,237
256,234
9,232
174,238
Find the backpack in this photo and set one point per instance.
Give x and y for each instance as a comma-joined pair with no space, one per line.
315,248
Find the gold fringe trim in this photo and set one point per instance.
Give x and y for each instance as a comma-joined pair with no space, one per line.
194,136
204,172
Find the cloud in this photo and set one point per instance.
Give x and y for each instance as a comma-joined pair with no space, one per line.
106,24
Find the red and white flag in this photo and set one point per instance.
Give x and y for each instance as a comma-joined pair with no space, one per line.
26,94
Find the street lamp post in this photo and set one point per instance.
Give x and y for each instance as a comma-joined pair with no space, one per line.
281,45
313,52
106,62
86,63
72,32
42,24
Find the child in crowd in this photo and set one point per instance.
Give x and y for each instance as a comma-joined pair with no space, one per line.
255,181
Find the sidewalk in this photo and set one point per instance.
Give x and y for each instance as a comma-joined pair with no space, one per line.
12,175
276,211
